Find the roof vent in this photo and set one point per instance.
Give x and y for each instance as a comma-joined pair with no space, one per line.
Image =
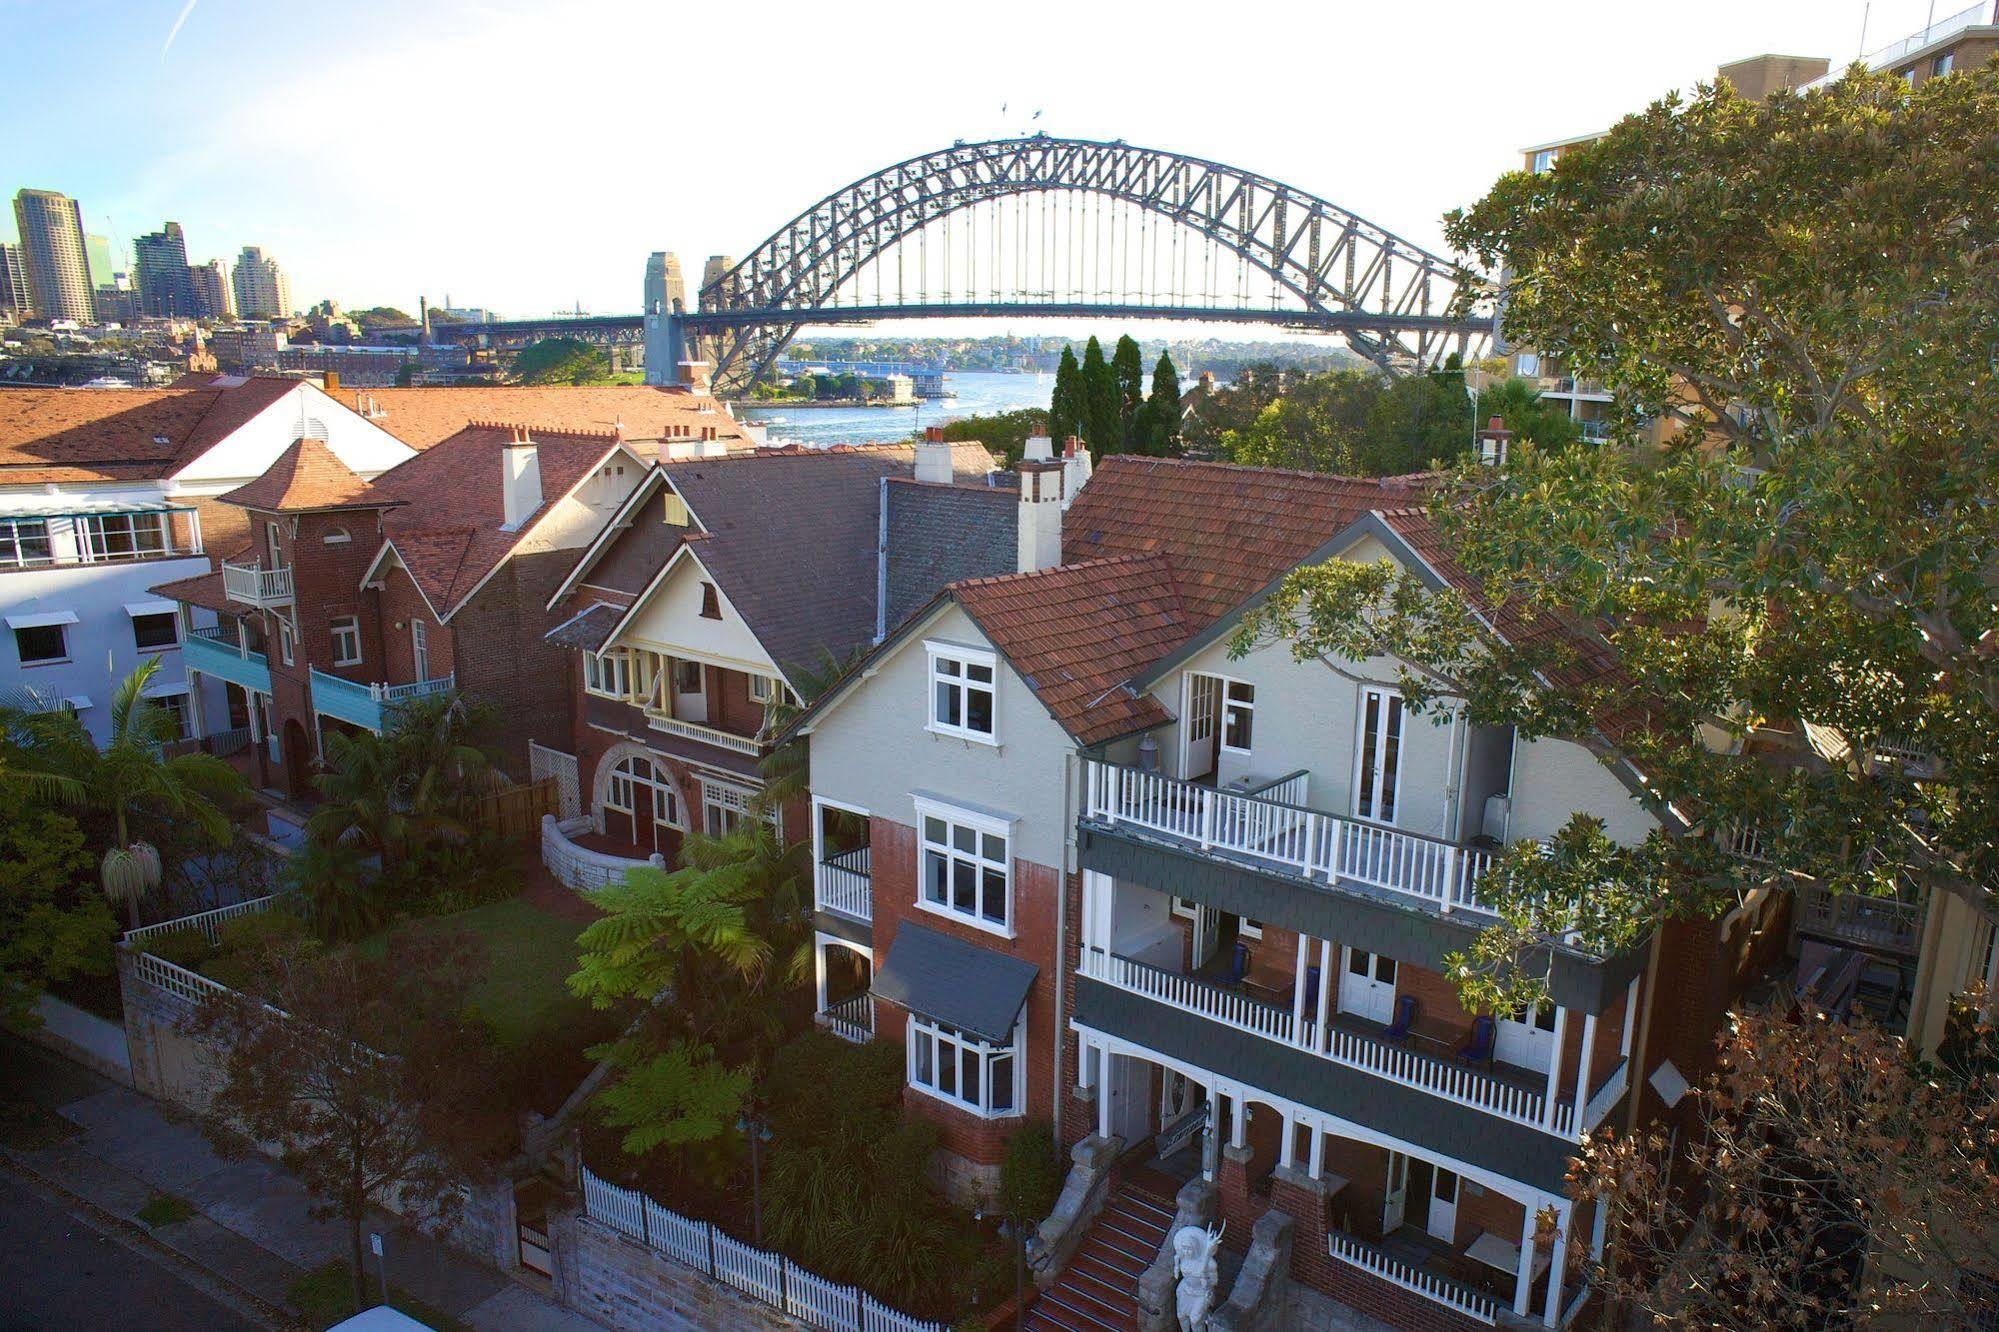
160,439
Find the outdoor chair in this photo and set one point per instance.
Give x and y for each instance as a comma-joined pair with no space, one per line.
1405,1018
1478,1046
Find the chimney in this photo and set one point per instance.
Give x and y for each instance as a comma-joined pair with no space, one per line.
1077,468
1039,448
1492,442
933,457
1041,502
331,381
694,375
520,478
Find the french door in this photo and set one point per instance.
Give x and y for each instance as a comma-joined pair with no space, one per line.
1203,711
1367,985
1443,1220
1378,761
1395,1200
1526,1039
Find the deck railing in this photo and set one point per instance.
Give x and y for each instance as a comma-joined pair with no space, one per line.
853,1018
1463,1084
1308,842
365,705
256,585
707,735
844,884
208,923
1438,1289
1877,922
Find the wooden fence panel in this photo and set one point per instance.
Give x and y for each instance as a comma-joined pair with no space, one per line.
516,811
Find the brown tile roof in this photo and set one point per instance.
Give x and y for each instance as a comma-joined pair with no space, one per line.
423,417
1077,634
65,435
306,476
203,590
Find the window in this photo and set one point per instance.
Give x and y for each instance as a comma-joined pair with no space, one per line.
339,536
285,642
41,644
1527,365
1541,1019
156,632
760,689
273,546
24,542
347,641
711,604
175,706
122,536
1380,968
1238,716
1544,160
419,648
673,509
964,866
1944,63
724,807
960,1068
607,674
686,676
1378,766
961,692
636,786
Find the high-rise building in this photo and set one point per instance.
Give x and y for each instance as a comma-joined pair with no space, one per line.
213,298
97,249
161,265
51,230
14,296
262,289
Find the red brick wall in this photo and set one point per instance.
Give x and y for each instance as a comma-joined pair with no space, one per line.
1035,895
401,604
503,661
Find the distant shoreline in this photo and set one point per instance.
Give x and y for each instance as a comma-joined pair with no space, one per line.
816,404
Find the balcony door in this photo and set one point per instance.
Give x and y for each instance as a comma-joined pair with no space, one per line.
1395,1200
1367,985
1527,1038
1378,756
1203,712
690,698
1443,1220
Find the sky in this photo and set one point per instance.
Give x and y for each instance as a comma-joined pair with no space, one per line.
526,157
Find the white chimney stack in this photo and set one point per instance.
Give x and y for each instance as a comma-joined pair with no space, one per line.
1076,468
1039,448
933,458
1040,523
520,478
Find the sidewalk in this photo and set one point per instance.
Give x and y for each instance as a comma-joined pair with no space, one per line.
250,1228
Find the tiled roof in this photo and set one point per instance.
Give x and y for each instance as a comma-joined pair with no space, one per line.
1078,633
587,629
1228,530
204,590
423,417
448,531
50,435
304,477
941,534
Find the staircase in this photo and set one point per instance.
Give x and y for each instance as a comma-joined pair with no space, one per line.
1099,1291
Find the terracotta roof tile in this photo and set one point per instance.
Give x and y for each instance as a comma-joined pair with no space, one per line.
424,417
204,590
306,476
56,435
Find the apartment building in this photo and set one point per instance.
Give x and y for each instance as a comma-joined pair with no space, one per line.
57,267
1192,910
725,586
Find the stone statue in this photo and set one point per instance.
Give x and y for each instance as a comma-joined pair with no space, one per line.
1194,1250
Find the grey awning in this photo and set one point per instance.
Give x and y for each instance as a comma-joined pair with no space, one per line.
961,985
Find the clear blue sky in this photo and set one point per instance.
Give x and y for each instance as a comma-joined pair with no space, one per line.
528,156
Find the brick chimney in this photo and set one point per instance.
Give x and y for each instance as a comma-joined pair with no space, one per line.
1492,442
1076,468
933,457
694,375
520,478
1041,502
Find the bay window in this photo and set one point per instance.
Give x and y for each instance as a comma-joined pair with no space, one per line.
960,1068
608,674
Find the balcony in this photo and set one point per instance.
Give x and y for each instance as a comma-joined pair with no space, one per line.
851,1019
704,733
215,652
254,585
366,705
842,885
1885,924
1273,834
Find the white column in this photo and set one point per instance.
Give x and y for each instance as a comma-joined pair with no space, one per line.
1317,1155
1583,1062
1523,1282
1326,978
195,712
1630,1017
1558,1258
819,973
1240,1126
1104,1093
1599,1223
1298,995
1555,1068
1213,1134
1287,1152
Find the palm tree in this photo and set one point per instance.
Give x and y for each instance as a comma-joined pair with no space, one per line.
414,783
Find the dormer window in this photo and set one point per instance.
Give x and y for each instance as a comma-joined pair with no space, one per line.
711,604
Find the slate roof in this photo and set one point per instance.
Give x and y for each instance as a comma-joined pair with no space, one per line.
204,590
587,629
953,982
51,435
307,476
425,417
933,535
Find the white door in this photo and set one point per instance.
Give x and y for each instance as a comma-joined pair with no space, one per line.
1443,1223
1128,1083
1527,1039
1367,985
1207,933
1395,1201
1203,706
419,649
690,698
1378,763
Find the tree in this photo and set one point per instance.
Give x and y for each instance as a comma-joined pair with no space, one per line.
1160,434
1003,433
561,361
1103,425
1128,371
367,1076
1068,403
1834,1184
1807,287
52,924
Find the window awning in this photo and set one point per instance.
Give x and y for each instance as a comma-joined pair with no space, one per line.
40,619
164,688
977,990
137,608
78,701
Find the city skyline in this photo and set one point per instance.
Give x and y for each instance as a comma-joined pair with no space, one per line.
320,165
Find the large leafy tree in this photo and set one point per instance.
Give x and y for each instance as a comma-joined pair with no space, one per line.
53,924
1128,372
1800,590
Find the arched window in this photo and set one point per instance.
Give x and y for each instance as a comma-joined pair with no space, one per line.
339,536
646,798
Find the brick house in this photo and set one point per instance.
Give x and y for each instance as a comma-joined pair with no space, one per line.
1194,907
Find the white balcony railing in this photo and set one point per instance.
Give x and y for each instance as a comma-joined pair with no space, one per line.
843,884
255,585
707,735
1474,1304
1307,842
853,1018
1856,918
1463,1084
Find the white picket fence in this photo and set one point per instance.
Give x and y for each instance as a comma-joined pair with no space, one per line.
209,923
770,1277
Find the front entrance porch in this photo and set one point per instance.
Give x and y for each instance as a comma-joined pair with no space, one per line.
845,972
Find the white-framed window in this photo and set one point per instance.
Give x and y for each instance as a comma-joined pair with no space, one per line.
962,1069
963,867
1378,755
175,706
724,808
962,694
339,536
762,689
1544,161
346,640
122,536
1238,716
156,632
285,641
686,676
636,785
1185,907
274,545
1943,64
24,543
607,674
1527,365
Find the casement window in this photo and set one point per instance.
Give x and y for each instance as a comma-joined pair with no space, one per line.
1238,716
122,536
967,1072
156,632
1378,761
41,644
285,642
711,602
175,706
347,641
961,692
607,674
964,869
24,543
761,689
725,808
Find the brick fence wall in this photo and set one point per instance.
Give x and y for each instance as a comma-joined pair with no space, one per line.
626,1286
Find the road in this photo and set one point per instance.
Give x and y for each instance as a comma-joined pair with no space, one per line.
57,1274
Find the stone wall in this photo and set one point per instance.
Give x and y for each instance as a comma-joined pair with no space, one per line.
627,1287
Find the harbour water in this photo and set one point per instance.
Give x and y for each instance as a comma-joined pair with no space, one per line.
975,394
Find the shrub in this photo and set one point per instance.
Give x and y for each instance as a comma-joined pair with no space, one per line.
249,943
184,947
1030,1174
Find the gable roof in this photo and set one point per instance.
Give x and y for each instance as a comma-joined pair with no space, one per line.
425,417
932,535
307,476
54,435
